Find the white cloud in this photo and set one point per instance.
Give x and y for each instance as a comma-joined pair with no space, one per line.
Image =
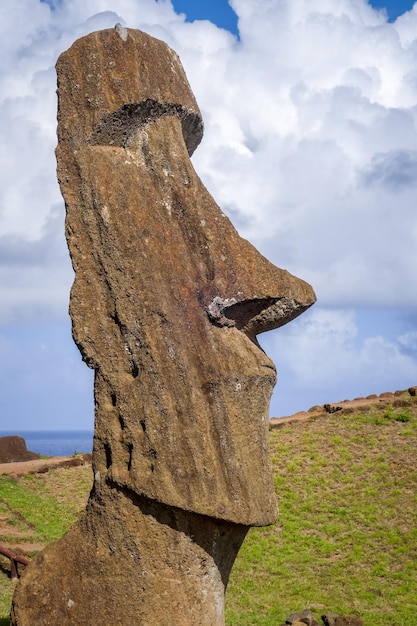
310,130
325,358
409,341
310,146
318,92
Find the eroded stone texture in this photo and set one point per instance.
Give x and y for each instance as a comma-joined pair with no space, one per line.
166,305
13,449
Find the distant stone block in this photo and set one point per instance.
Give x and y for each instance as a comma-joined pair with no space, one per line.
13,450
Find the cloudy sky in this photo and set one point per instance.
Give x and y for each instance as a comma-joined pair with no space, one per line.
310,110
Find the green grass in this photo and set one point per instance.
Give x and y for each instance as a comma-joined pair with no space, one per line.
41,508
346,541
40,511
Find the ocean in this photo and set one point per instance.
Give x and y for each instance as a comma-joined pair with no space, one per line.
55,442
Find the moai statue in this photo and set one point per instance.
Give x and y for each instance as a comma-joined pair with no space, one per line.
166,305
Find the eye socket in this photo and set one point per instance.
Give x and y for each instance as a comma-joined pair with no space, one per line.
119,128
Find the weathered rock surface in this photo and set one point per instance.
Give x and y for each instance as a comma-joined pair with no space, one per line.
301,618
166,305
348,620
305,618
13,449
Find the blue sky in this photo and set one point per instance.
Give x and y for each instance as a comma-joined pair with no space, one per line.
393,8
310,148
221,13
218,11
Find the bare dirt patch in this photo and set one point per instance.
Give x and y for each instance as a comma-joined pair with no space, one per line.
40,466
396,399
51,478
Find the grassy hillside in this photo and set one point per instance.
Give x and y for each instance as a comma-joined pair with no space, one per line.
346,541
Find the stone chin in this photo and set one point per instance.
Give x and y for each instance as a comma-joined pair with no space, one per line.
200,442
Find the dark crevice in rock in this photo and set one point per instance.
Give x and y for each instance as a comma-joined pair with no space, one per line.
107,451
133,366
134,369
130,450
153,453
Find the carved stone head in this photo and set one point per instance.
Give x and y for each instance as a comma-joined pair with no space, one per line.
168,299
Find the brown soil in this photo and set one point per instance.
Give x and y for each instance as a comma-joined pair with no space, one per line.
40,466
395,399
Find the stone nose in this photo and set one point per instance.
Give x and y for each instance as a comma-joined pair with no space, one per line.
255,315
248,292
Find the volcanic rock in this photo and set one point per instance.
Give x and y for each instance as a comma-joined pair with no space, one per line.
348,620
13,450
166,305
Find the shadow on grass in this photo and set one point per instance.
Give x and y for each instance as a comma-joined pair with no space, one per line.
4,621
